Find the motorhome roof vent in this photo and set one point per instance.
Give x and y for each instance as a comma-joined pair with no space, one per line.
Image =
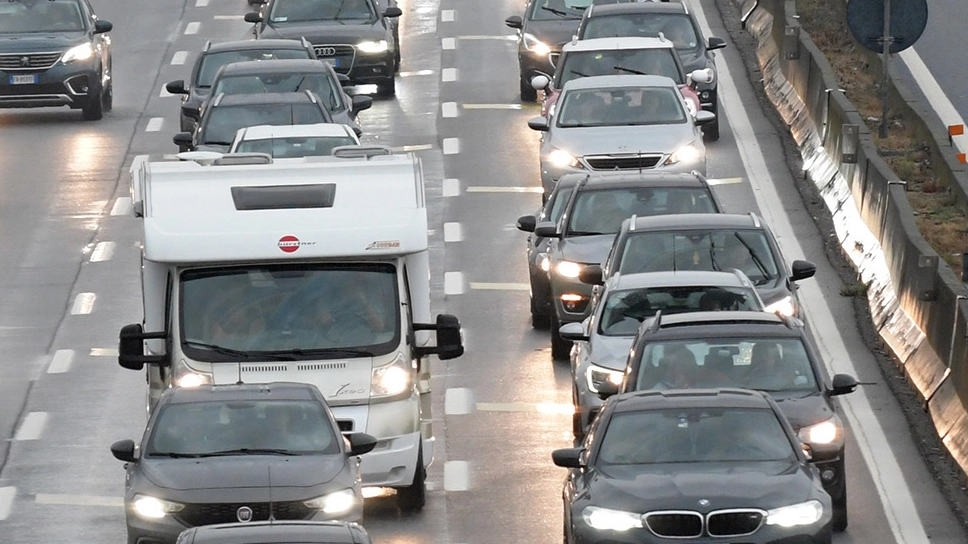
360,151
280,197
243,158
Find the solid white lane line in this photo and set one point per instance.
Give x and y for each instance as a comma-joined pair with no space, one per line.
446,15
201,3
496,106
448,44
451,146
122,206
61,361
78,500
457,476
448,109
932,91
179,58
500,286
451,187
7,495
228,17
103,251
506,37
490,189
540,407
453,283
416,73
448,75
83,303
453,232
32,427
458,401
192,28
154,124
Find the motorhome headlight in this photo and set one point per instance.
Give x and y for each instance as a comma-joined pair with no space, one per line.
80,52
392,379
186,377
334,504
805,513
153,508
825,432
534,45
686,154
784,306
596,375
611,520
376,46
562,159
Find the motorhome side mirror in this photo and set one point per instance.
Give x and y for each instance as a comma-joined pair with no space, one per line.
540,82
515,22
450,344
607,389
182,139
538,123
176,87
253,17
123,450
546,229
567,457
715,43
704,117
392,11
360,443
573,331
803,270
526,223
843,384
361,102
131,350
591,275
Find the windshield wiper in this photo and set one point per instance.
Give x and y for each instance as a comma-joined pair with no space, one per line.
172,454
756,259
248,451
630,71
333,352
217,349
557,12
585,233
577,73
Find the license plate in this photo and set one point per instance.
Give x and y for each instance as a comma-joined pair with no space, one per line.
333,61
23,80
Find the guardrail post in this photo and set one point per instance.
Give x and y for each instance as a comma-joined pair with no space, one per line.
791,42
849,142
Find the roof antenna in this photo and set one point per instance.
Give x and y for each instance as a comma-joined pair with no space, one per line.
272,515
239,366
674,269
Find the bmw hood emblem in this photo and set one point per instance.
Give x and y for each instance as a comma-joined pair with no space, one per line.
703,502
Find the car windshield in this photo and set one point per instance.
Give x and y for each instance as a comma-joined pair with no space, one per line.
324,86
292,146
211,62
746,250
49,16
548,10
602,211
199,429
289,310
694,435
655,61
623,106
625,310
222,122
768,364
296,11
676,27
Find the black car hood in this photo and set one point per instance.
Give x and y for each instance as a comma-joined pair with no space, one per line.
585,249
320,32
691,60
242,471
554,33
673,486
46,42
803,411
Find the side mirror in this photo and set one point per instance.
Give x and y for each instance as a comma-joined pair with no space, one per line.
100,27
176,87
803,270
131,348
123,450
704,117
514,22
526,223
450,345
360,443
573,331
538,123
567,457
361,102
607,389
714,43
591,275
392,11
700,76
183,140
546,229
843,384
540,82
252,17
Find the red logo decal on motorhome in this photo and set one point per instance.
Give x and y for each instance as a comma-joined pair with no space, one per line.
289,243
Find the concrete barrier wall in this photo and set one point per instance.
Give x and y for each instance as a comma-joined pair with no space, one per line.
913,294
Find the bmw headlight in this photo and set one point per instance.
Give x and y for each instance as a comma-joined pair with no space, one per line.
562,159
568,269
805,513
687,154
611,520
334,504
391,379
534,45
825,432
596,375
80,52
378,46
152,508
784,306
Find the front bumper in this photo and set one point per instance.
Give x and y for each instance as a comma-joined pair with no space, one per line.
393,462
361,68
531,64
571,298
551,173
73,85
764,535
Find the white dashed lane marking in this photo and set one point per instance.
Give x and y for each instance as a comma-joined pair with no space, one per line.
540,407
496,106
7,495
453,283
78,500
154,124
448,109
451,187
61,361
453,232
122,206
103,251
448,44
228,17
201,3
447,15
179,57
448,75
458,401
83,303
457,476
104,352
500,286
409,148
504,190
416,73
192,28
451,146
32,427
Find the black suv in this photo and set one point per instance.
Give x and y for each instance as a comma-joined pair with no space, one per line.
547,25
749,350
215,56
55,53
354,36
676,22
224,115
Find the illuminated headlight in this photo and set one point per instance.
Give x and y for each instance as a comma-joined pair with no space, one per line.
687,153
152,508
561,158
80,52
372,46
534,45
784,306
568,269
544,262
596,375
610,520
391,379
334,504
190,378
805,513
825,432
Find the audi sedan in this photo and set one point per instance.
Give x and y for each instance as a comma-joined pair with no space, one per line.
720,465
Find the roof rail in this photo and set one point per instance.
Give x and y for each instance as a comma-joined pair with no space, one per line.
360,151
305,42
656,322
230,159
207,46
756,219
632,221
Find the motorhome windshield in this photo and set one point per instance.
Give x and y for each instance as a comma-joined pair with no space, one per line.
295,311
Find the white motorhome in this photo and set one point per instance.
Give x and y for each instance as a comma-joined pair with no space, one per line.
305,270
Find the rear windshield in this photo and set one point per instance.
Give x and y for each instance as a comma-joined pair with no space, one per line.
658,61
625,310
224,121
324,86
602,211
211,62
675,27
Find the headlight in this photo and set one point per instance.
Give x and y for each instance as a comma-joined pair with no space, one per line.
568,269
687,153
334,504
534,45
544,262
612,520
152,508
805,513
561,159
825,432
372,47
595,375
189,378
80,52
391,379
784,306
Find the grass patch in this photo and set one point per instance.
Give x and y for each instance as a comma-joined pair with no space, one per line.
856,290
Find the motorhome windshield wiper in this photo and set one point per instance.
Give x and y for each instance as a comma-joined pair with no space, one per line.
248,451
218,349
328,352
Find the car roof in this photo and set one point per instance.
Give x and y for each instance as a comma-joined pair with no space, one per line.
244,391
600,10
650,178
265,98
275,66
621,42
265,132
269,43
262,532
673,399
696,221
596,82
680,278
721,323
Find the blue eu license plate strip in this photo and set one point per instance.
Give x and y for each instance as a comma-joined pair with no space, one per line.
23,79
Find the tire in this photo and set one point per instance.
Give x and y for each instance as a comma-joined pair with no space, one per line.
560,348
839,521
539,320
411,499
387,88
528,93
94,110
711,131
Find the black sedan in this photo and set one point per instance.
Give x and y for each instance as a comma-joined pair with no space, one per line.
239,453
718,465
277,532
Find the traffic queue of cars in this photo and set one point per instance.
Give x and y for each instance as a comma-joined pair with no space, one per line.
702,409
